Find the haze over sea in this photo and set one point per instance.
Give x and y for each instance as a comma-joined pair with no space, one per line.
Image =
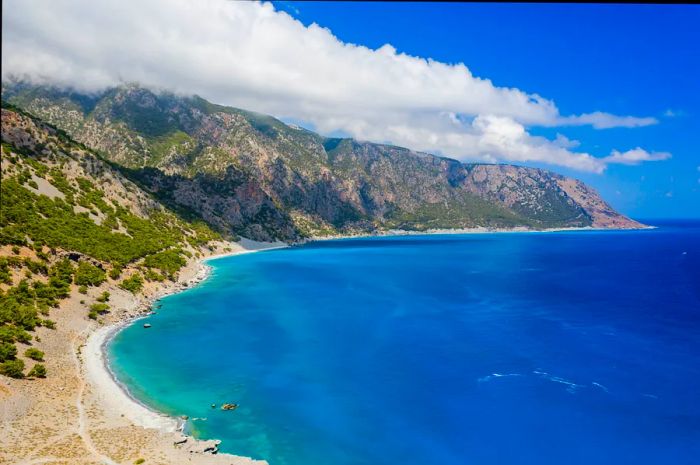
537,348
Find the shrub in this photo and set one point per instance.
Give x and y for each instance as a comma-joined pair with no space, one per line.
104,297
168,261
12,368
37,371
50,324
10,333
34,354
151,275
88,274
99,307
7,351
134,284
82,289
115,272
139,461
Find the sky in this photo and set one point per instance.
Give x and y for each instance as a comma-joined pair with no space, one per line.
609,94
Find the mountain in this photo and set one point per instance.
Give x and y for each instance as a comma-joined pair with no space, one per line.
251,174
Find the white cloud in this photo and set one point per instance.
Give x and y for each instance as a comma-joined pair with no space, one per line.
635,156
600,120
251,56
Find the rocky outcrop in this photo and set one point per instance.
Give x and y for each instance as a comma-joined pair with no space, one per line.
195,446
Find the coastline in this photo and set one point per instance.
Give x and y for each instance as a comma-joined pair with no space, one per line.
115,397
476,230
81,411
118,396
96,358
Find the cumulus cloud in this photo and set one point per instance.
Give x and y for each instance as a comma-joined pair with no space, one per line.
635,156
251,56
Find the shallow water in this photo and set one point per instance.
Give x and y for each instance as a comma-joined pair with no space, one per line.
539,348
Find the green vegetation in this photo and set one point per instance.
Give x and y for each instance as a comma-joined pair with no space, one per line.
97,309
7,351
37,371
104,297
463,213
134,284
151,275
88,274
115,272
139,461
34,354
12,368
168,261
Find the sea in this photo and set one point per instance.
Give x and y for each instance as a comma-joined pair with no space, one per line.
576,347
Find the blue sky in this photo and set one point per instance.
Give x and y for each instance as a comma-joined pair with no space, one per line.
624,59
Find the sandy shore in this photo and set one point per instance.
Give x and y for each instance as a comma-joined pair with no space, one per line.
113,394
79,414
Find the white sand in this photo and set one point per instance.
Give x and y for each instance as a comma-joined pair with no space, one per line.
110,394
113,395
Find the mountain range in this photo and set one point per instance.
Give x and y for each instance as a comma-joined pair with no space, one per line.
249,174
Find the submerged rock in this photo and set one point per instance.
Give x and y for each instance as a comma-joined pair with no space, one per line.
229,407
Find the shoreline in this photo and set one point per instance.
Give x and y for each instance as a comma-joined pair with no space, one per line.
477,230
114,394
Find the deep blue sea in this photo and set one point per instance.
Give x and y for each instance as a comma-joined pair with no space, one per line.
531,348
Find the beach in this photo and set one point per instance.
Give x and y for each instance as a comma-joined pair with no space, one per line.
80,413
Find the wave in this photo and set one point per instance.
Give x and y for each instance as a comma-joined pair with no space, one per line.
496,375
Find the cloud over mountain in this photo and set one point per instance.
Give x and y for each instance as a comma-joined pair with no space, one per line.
251,56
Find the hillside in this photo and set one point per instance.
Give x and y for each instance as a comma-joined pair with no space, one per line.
250,174
70,222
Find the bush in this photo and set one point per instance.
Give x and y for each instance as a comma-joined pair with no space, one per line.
12,368
88,274
7,351
104,297
82,289
50,324
134,284
34,354
10,333
168,261
37,371
99,308
115,272
151,275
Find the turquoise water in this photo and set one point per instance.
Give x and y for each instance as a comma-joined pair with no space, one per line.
552,348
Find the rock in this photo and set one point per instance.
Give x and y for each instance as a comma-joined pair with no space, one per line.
229,407
181,439
147,325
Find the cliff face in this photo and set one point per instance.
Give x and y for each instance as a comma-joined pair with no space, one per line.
251,174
